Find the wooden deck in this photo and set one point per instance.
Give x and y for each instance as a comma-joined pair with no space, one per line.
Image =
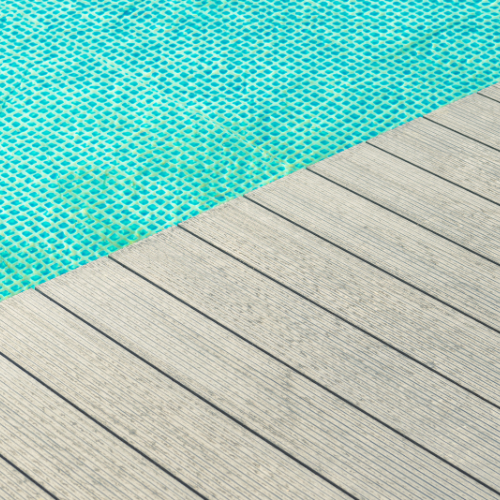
333,335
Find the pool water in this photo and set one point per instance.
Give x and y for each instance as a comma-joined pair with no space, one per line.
121,118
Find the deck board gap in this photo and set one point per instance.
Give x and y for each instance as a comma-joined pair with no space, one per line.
187,388
462,134
487,97
449,181
27,476
93,419
477,254
317,235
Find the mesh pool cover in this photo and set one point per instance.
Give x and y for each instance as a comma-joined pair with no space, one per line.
122,118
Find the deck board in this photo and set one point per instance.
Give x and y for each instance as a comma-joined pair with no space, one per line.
374,377
446,154
430,263
492,92
311,424
436,335
67,453
16,486
335,334
214,455
433,203
475,116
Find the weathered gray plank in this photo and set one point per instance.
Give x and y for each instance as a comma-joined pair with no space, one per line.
419,257
420,404
408,191
309,423
436,335
67,453
16,486
475,116
447,154
209,451
492,92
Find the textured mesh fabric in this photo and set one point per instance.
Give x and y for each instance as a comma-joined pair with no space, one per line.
122,118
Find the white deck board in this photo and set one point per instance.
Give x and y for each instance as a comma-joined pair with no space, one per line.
476,117
396,390
492,92
432,264
309,423
447,154
431,202
64,451
204,448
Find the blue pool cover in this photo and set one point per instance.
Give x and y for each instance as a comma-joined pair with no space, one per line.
121,118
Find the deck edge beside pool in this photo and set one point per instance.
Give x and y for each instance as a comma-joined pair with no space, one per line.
334,334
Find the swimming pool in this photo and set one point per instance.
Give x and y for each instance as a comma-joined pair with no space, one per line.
122,118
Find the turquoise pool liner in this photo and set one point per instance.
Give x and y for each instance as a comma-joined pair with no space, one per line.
120,119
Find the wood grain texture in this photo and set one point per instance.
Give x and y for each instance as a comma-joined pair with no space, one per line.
492,92
210,452
16,486
67,453
312,425
386,384
447,154
475,116
434,265
423,198
412,322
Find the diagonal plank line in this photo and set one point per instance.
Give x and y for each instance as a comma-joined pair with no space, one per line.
404,217
83,412
376,267
26,475
185,387
487,96
460,133
381,422
432,173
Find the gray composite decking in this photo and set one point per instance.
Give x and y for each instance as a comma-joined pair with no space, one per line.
335,334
